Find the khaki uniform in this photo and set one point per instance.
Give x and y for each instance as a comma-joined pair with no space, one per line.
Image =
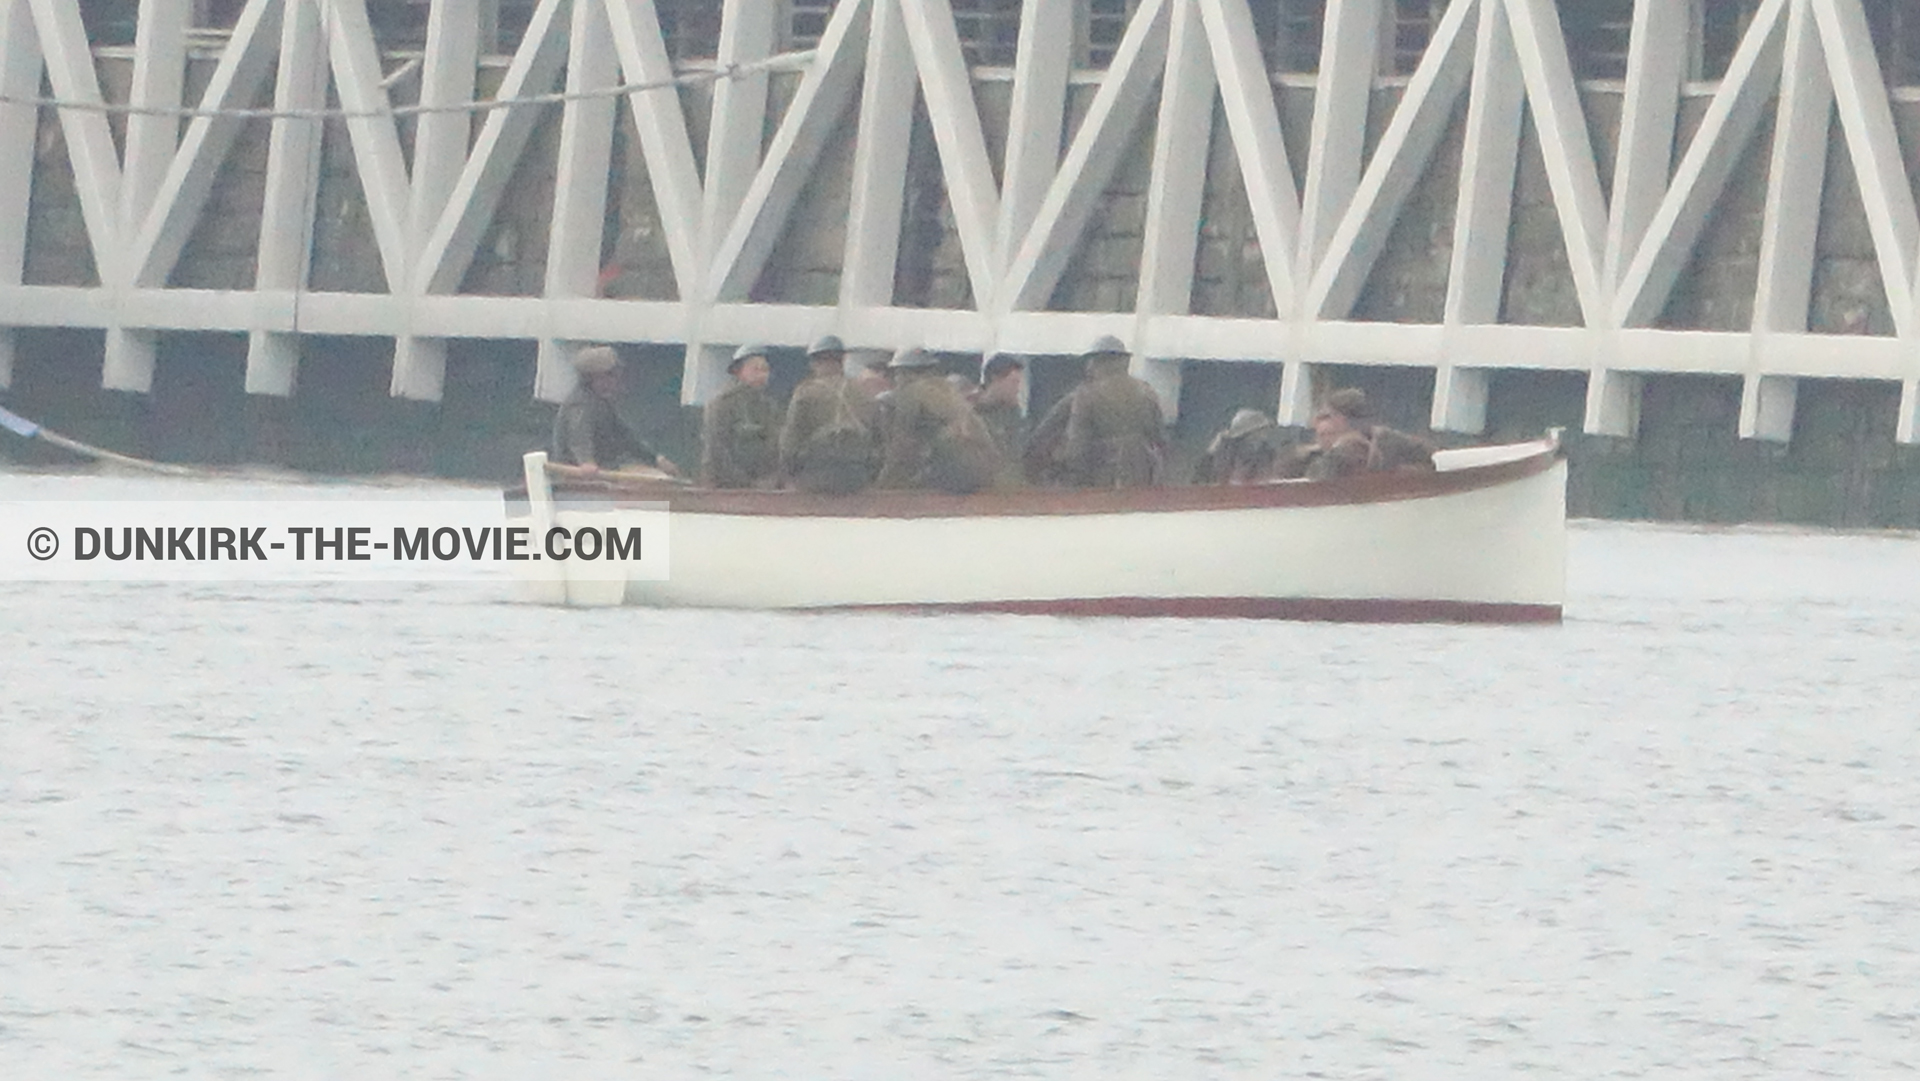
1378,449
830,442
1115,437
1008,426
934,440
1247,459
1044,442
739,439
589,429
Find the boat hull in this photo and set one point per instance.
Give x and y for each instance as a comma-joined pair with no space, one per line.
1485,545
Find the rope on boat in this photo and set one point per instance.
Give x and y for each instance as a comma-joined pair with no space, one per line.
27,429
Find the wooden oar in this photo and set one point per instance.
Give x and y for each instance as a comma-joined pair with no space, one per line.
28,429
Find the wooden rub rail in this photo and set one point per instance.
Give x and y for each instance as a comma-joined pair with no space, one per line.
1046,502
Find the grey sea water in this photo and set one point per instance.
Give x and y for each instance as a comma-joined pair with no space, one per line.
422,831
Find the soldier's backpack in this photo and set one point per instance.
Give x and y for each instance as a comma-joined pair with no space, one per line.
840,455
962,458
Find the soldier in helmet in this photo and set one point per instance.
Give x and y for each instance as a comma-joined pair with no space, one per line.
1244,452
589,434
933,439
998,402
739,437
830,443
1348,439
1115,434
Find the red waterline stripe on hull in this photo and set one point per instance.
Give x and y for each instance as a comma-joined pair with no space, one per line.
1310,609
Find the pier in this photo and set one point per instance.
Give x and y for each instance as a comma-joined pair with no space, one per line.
367,234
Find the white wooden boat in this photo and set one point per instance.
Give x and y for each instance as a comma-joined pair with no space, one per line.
1482,539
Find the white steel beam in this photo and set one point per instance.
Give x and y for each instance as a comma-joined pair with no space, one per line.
419,366
293,181
1483,214
1294,408
1767,405
357,78
174,210
1103,137
1403,153
1574,349
1349,56
159,73
164,185
738,120
579,188
96,176
1253,120
440,138
818,105
1035,120
1176,189
1656,65
1790,224
955,119
447,253
20,69
1488,159
880,163
439,157
129,359
96,165
1565,148
1860,96
1613,401
1907,429
667,151
664,143
1724,131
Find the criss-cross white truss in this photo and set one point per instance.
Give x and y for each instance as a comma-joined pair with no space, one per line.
1321,223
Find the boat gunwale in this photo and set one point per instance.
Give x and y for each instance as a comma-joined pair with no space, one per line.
1047,502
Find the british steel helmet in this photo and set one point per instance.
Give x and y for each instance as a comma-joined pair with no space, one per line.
744,354
596,360
1246,422
912,357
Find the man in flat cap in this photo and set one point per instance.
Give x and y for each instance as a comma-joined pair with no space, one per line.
830,443
588,432
933,439
1115,432
1348,439
739,435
